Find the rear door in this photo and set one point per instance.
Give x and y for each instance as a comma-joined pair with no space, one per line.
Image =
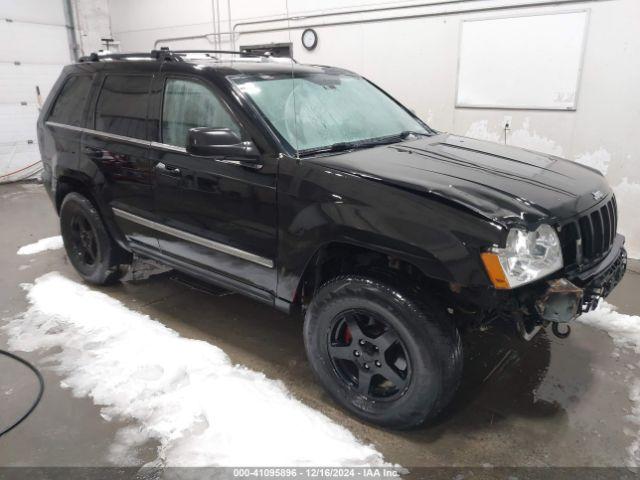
219,215
118,144
60,142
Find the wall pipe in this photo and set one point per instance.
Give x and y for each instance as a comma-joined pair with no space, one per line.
233,32
72,32
348,12
219,23
233,40
213,24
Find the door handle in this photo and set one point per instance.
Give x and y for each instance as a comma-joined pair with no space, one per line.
168,169
93,152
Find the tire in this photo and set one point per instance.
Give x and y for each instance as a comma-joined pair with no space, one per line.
428,346
90,248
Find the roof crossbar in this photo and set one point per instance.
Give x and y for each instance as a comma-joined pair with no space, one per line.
232,52
244,53
164,54
153,55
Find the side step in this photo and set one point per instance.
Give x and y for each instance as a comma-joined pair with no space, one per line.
199,285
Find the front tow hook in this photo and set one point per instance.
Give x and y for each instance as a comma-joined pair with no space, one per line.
555,328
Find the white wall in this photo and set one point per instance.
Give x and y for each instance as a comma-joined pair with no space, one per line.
416,60
36,41
92,23
34,45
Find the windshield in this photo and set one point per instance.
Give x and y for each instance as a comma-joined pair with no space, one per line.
318,111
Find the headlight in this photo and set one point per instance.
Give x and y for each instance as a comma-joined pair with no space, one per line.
526,257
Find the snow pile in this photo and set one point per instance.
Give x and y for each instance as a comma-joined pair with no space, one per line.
183,393
50,243
625,332
623,329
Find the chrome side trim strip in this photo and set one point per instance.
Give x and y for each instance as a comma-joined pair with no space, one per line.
166,146
205,242
111,136
122,138
62,125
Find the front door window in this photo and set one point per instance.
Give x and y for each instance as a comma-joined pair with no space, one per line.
189,104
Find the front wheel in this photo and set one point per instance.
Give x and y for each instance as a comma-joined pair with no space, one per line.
382,356
90,248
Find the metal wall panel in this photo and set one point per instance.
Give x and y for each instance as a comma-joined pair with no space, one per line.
41,11
19,82
34,46
33,43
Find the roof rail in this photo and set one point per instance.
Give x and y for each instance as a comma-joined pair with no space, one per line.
244,53
232,52
164,54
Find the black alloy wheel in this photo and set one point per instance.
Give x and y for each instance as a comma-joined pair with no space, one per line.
368,354
385,357
90,247
84,244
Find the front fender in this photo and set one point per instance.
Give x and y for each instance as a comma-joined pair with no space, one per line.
318,206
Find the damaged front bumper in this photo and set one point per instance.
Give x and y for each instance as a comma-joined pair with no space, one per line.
561,300
600,280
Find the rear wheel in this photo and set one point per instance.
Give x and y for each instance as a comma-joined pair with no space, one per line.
92,252
381,355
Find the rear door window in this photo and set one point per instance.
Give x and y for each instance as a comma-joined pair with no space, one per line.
68,108
122,106
189,104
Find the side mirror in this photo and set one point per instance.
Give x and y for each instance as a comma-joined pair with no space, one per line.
220,142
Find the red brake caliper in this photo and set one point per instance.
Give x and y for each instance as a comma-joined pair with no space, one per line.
347,335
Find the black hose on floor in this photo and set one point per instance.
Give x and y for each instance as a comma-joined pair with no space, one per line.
38,398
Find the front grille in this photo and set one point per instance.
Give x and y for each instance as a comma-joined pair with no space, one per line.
590,236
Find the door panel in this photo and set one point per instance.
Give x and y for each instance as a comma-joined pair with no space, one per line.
119,146
221,215
127,181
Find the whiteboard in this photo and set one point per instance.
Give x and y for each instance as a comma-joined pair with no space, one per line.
525,62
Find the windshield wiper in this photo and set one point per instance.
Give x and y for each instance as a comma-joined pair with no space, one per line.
408,133
336,147
344,146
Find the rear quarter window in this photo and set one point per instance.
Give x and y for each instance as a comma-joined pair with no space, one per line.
68,107
122,105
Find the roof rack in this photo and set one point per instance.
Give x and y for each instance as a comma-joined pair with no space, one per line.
232,52
153,55
245,53
164,54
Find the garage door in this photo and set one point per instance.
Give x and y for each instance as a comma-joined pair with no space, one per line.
34,45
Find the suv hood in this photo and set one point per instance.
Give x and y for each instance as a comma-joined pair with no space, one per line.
505,184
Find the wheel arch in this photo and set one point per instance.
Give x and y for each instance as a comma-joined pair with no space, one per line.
67,184
71,181
342,257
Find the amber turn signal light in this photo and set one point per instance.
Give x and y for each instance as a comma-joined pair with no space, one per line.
494,270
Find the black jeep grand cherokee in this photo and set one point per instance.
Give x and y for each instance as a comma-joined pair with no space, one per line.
309,188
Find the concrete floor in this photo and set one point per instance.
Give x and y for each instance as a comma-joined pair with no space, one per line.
550,402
